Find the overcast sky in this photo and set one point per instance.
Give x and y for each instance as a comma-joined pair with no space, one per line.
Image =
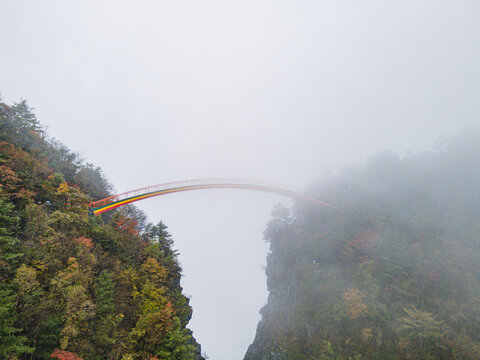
157,91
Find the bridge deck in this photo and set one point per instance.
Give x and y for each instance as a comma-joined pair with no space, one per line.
100,206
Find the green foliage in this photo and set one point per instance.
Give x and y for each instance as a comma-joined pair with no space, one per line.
158,330
422,330
10,254
393,276
106,318
73,287
12,342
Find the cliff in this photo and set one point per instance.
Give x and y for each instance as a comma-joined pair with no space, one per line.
393,275
73,286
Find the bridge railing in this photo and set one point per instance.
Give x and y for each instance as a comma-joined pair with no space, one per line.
176,184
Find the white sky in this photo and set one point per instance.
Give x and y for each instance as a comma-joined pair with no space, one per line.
156,91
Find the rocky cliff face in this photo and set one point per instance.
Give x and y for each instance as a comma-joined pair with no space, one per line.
394,275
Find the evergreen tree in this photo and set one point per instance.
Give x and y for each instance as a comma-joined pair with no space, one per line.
106,320
12,341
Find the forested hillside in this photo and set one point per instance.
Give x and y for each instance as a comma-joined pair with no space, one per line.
71,286
394,275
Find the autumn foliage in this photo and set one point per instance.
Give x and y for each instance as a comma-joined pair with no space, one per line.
355,305
74,287
394,276
84,241
64,355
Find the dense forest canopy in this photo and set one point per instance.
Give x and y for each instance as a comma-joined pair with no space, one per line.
72,286
395,275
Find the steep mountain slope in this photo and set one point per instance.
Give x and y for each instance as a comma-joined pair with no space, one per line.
71,286
394,275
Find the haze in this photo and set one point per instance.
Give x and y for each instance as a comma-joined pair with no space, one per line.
281,91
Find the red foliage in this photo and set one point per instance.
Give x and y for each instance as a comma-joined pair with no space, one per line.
8,178
359,248
88,243
128,225
14,161
7,149
64,355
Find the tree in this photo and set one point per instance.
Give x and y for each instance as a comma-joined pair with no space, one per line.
106,320
421,329
158,331
64,355
12,342
10,254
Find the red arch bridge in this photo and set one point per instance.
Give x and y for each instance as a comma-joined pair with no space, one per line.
101,206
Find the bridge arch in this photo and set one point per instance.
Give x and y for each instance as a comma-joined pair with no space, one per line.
112,202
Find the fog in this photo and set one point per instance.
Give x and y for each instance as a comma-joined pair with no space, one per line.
281,91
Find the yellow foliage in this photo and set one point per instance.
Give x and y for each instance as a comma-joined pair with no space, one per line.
26,280
154,271
366,334
72,263
63,188
355,306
